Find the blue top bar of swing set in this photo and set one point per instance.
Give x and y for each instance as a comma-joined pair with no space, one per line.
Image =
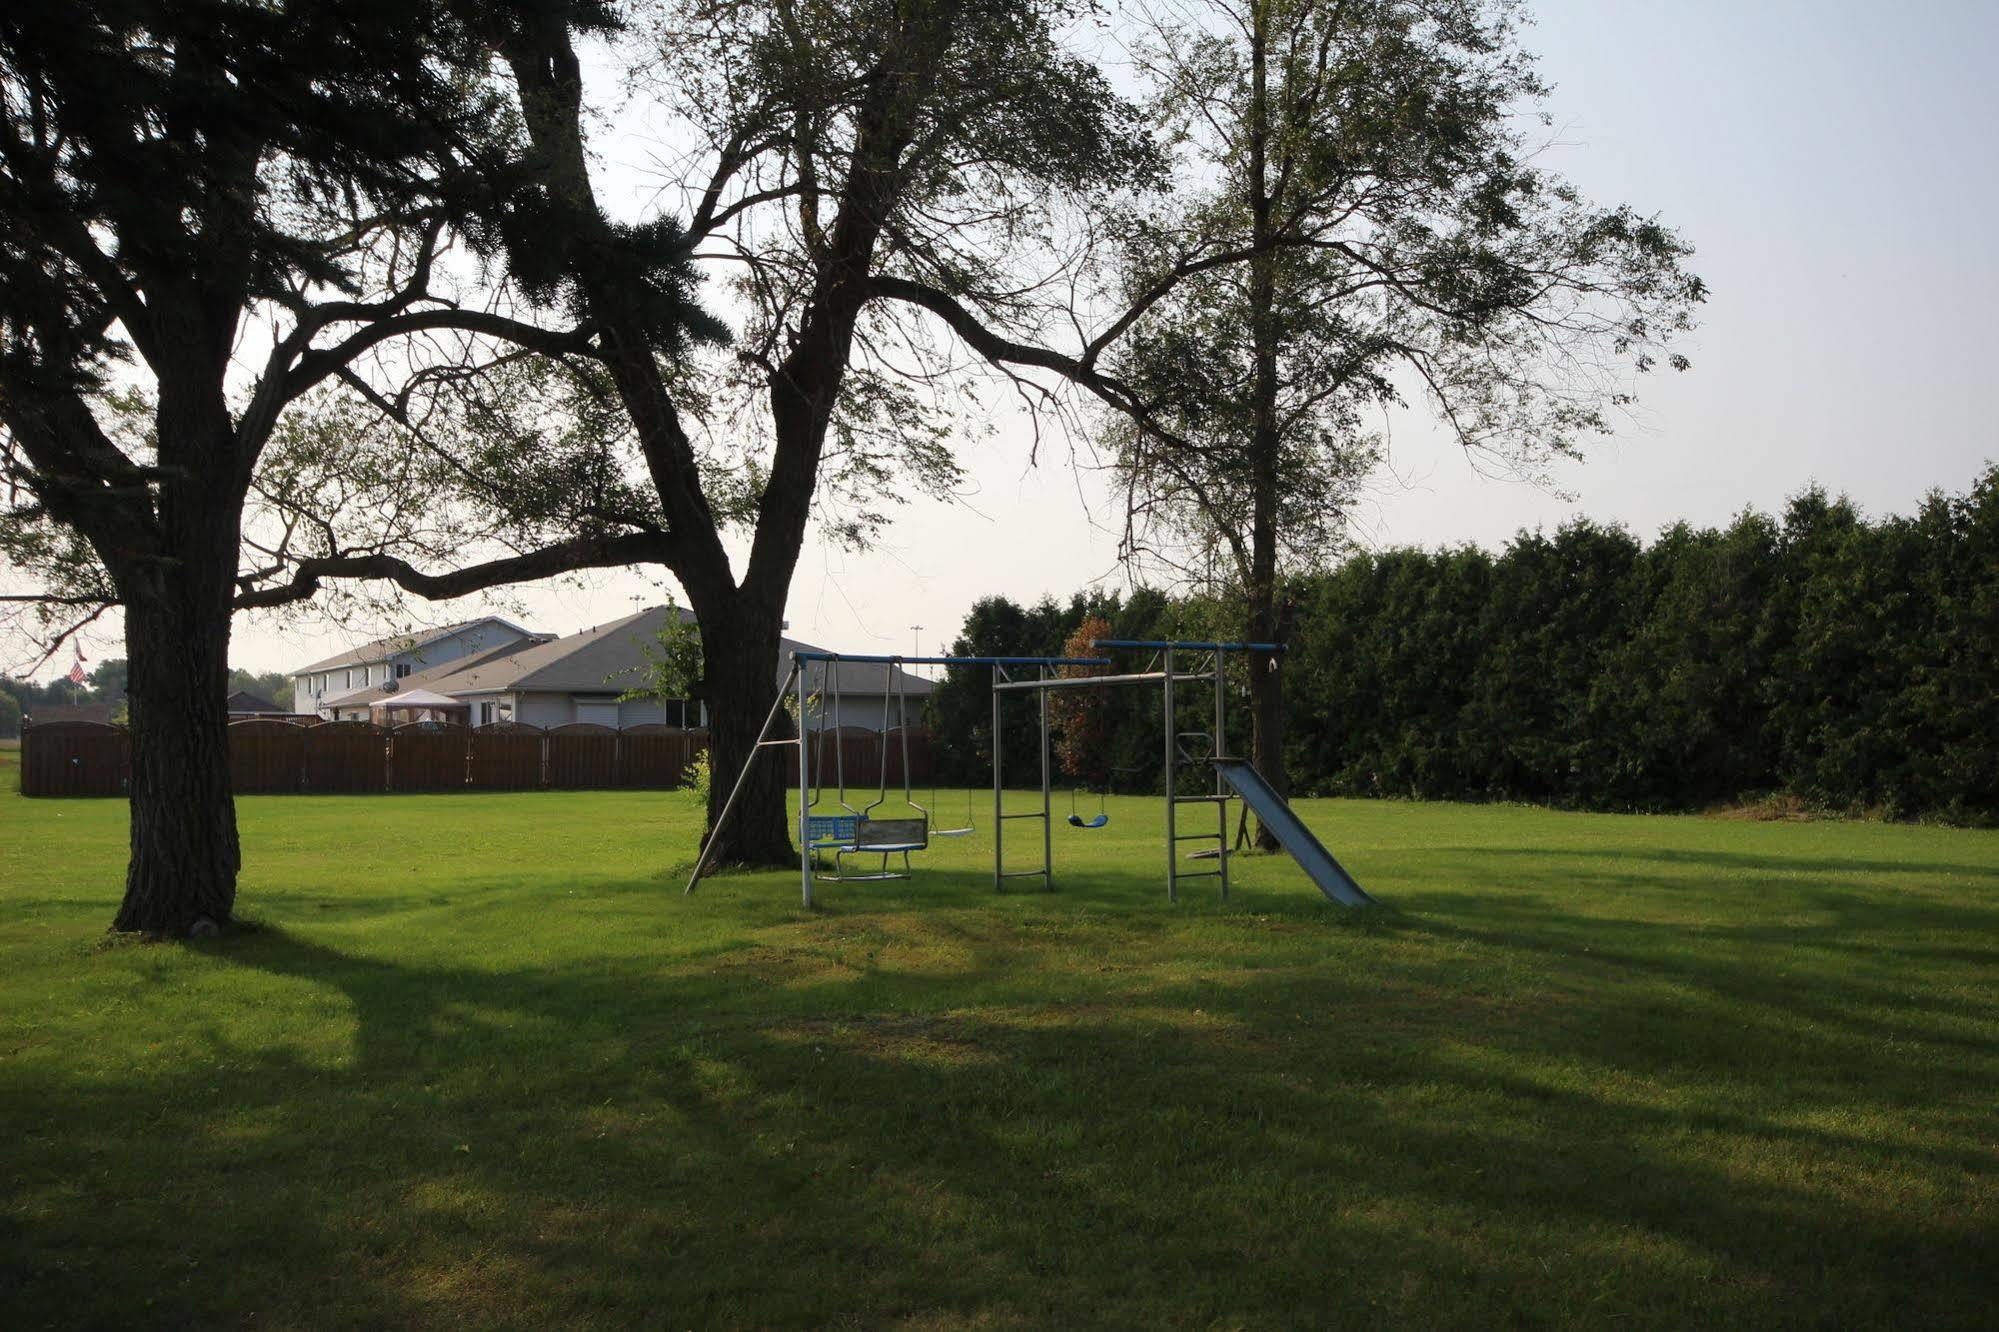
952,661
1196,647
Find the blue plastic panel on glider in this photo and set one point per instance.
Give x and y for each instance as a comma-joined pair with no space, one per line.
1290,830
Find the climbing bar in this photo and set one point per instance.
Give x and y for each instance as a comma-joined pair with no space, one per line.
1098,681
951,661
1192,647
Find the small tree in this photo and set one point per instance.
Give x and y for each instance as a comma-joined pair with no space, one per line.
1083,717
671,668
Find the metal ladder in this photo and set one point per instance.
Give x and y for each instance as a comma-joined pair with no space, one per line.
1219,798
1046,872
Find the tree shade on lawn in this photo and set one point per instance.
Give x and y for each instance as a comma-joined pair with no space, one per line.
482,1063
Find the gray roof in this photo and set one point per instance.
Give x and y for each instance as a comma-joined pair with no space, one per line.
609,659
245,701
604,659
431,677
381,649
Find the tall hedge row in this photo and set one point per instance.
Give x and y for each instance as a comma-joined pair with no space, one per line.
1852,663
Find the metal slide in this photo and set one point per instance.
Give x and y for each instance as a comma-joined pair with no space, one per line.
1289,829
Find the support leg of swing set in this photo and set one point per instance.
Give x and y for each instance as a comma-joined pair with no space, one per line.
756,752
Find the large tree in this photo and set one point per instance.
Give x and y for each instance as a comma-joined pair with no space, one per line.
824,152
222,205
1365,227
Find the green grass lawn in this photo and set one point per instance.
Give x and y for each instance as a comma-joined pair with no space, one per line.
484,1064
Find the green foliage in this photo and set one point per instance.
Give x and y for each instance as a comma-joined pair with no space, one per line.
1853,664
673,664
10,714
699,776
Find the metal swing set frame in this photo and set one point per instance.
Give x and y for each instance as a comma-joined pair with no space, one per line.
1172,664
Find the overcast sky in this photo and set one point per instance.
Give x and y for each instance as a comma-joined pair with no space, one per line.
1834,165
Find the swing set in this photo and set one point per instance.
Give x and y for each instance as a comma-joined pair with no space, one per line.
858,831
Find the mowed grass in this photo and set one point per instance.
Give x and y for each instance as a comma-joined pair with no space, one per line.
484,1064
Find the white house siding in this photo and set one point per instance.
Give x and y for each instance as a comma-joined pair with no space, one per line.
865,712
313,691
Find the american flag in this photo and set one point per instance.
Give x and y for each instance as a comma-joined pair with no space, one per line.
76,675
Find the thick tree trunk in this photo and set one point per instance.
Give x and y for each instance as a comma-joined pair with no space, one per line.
740,643
182,875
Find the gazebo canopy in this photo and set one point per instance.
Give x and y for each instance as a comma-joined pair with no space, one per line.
417,698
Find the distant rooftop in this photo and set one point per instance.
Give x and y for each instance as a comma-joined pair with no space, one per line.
381,649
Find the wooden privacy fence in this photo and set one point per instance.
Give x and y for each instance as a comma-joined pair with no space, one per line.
272,757
75,759
861,753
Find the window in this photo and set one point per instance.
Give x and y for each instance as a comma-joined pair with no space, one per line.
402,669
485,714
347,679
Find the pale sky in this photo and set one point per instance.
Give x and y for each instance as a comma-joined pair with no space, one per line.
1833,164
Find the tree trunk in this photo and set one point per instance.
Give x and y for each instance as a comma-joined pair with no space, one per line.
185,856
740,643
1266,688
1267,718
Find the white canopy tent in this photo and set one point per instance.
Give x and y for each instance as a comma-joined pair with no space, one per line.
419,705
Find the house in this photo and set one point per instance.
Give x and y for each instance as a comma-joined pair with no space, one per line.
325,687
243,705
546,682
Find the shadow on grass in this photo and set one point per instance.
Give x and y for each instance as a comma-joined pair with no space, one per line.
877,1115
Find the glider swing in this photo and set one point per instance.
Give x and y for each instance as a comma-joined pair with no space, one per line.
859,832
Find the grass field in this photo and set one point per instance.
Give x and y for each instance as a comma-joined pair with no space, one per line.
484,1064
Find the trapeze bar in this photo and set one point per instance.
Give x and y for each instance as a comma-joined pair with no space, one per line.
1193,647
1097,681
951,661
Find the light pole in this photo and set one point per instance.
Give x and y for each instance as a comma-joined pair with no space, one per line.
916,644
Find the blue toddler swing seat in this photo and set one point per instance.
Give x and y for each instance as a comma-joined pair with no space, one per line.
1101,817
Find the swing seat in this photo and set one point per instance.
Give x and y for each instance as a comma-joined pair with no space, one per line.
1078,821
952,832
829,832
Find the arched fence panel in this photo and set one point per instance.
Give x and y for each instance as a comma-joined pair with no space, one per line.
346,758
428,756
582,757
655,757
266,757
507,756
75,759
